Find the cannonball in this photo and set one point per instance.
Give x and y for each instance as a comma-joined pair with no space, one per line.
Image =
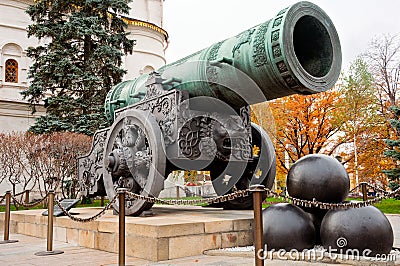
286,226
318,176
316,215
357,228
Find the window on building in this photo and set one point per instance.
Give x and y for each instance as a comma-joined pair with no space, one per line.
11,71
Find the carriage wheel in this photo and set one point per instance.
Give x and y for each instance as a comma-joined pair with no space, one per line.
134,159
261,170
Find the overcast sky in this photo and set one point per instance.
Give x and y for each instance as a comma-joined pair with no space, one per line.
195,24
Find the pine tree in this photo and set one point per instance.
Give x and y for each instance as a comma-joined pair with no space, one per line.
77,63
394,148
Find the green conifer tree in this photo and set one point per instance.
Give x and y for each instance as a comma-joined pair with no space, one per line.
394,149
77,62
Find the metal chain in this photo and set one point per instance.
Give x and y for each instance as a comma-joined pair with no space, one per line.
218,199
354,188
371,186
378,189
2,198
18,194
29,205
331,206
89,219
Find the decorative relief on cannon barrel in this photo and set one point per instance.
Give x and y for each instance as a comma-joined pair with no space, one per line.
259,55
214,51
244,37
211,71
277,53
282,11
277,22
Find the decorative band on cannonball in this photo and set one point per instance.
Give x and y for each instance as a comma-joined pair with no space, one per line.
364,229
318,176
286,226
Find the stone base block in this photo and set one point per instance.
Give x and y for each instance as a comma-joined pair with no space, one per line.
171,232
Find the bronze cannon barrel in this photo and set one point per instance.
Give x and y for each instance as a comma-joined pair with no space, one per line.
297,51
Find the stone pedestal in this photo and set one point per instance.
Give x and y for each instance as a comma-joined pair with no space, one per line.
171,232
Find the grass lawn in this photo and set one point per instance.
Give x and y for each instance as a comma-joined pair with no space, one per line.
389,206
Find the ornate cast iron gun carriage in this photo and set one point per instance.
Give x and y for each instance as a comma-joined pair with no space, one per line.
194,114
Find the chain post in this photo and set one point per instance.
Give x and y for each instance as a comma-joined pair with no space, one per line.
26,199
258,191
7,216
102,201
121,196
364,190
177,192
50,214
50,218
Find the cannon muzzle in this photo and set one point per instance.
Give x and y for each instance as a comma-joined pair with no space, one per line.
297,51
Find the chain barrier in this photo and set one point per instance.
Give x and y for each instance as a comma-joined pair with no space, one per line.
285,198
88,219
18,194
354,188
29,205
2,198
376,188
218,199
331,206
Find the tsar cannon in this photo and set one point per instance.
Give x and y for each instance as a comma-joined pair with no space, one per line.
194,114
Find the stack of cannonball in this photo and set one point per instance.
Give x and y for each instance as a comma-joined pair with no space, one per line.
324,179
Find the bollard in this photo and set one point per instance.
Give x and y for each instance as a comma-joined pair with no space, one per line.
7,221
177,192
50,215
102,201
26,199
121,253
364,190
258,191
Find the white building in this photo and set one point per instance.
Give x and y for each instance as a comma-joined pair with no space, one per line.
145,22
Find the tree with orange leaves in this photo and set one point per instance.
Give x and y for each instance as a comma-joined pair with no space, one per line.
305,125
359,114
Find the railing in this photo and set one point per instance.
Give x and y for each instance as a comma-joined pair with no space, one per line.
123,195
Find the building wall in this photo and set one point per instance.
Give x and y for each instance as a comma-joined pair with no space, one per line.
145,28
144,24
147,10
15,114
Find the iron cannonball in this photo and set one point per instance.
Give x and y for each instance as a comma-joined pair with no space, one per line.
357,228
286,226
316,215
318,176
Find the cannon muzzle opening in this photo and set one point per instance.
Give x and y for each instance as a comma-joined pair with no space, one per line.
312,46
